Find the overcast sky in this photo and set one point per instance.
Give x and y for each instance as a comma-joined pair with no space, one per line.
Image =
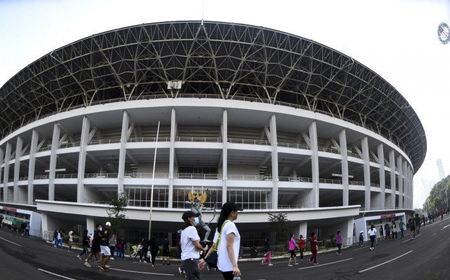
395,38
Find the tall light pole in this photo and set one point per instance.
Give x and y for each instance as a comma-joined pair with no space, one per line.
153,184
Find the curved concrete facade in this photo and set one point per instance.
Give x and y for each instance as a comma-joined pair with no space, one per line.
272,121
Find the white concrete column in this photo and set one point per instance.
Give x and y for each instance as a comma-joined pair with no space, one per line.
314,198
90,225
411,188
366,159
274,143
44,226
53,160
400,182
393,182
404,195
382,178
6,172
122,152
224,156
347,232
303,230
344,167
1,181
173,135
31,166
84,139
16,195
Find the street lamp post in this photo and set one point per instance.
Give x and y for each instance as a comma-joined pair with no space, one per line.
153,184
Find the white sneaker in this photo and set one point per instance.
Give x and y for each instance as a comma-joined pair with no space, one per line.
270,264
79,257
289,264
87,264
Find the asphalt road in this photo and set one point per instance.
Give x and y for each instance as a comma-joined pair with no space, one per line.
425,257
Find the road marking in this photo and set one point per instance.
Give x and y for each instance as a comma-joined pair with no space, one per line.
446,226
142,272
308,267
55,274
14,243
391,260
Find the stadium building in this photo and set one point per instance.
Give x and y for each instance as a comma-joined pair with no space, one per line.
272,121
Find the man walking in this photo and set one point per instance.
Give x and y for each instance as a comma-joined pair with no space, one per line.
104,247
190,247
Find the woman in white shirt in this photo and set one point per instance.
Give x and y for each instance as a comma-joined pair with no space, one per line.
229,243
372,234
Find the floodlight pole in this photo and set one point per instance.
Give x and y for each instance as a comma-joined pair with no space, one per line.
153,184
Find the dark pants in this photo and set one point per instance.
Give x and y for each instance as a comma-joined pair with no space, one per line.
301,253
191,269
313,257
228,275
339,246
154,254
372,240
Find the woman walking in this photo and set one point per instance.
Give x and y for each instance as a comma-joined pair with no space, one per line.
228,241
292,247
338,242
85,244
301,245
372,234
314,248
267,258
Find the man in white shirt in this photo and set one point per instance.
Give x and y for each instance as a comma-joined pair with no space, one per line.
190,247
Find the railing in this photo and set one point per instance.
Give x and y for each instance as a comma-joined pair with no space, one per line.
199,139
250,177
148,139
293,145
101,175
248,141
354,182
330,181
45,148
295,179
25,178
70,144
196,176
328,150
43,176
104,141
145,175
66,176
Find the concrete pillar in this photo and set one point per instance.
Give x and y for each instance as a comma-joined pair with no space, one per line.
274,144
16,195
366,159
173,135
1,163
404,193
90,225
31,165
6,172
344,167
382,195
314,197
84,139
303,230
393,182
347,232
224,156
400,182
122,152
53,160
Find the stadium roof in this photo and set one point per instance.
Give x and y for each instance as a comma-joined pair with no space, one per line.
213,60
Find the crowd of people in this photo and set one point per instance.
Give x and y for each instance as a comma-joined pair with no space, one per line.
223,252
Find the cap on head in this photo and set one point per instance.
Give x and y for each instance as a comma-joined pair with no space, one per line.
187,215
108,224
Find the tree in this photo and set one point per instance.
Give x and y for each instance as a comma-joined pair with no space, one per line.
117,211
439,196
279,225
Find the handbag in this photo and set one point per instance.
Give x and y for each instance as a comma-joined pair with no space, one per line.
212,258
